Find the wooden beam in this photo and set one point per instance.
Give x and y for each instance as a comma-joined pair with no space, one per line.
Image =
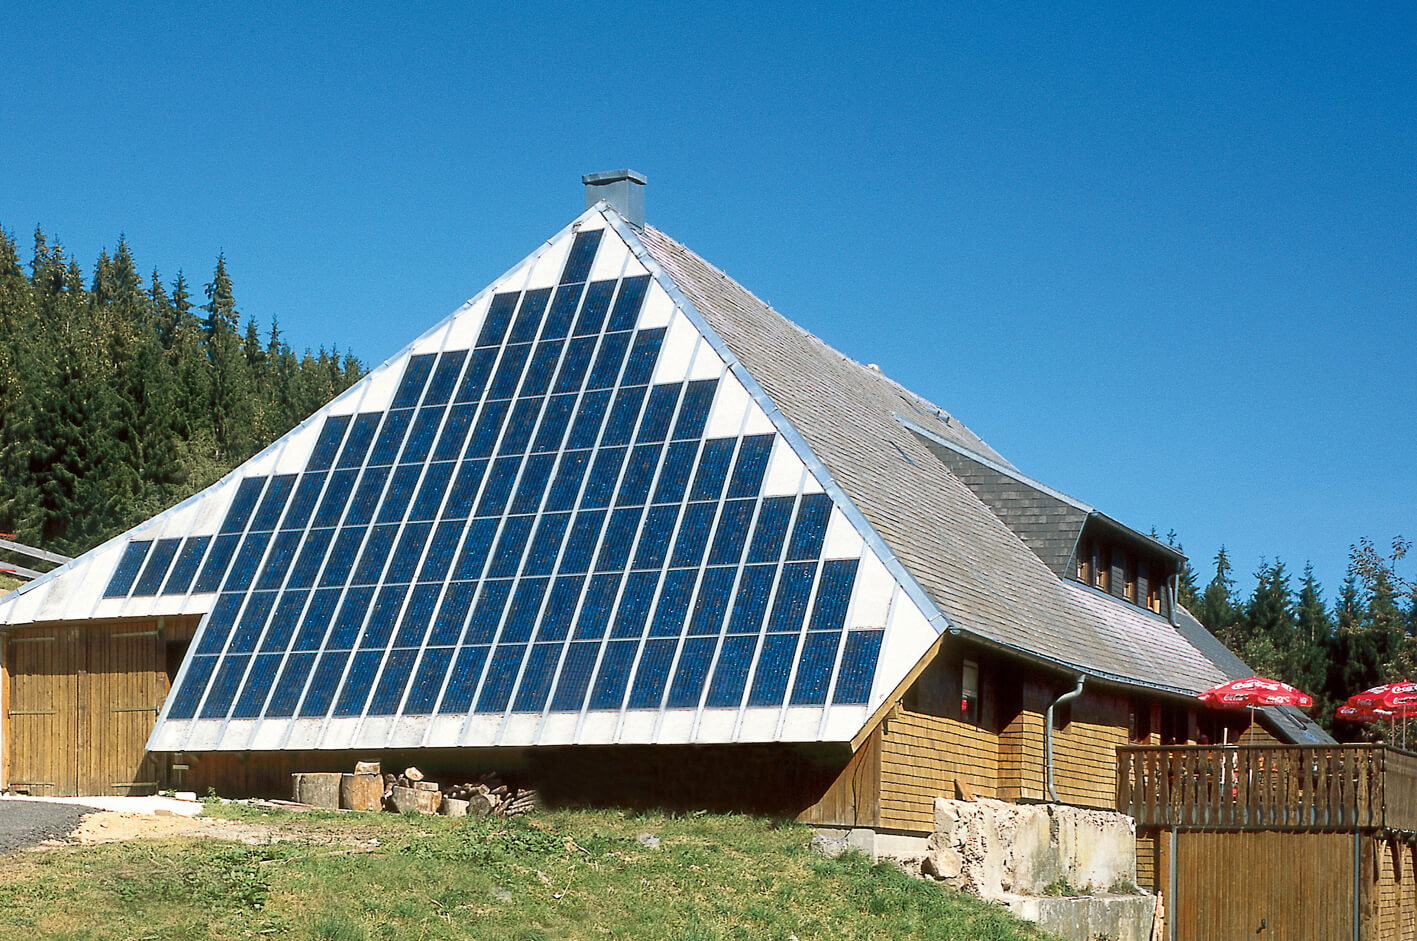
34,553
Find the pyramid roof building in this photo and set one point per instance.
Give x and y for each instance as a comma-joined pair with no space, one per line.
612,499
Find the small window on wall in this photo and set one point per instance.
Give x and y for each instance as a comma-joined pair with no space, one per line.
1153,593
969,692
1085,565
1129,575
1102,567
1139,722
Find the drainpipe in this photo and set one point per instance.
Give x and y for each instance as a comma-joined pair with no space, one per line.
1175,589
1048,732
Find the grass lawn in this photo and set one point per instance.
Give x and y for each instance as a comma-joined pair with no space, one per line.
559,874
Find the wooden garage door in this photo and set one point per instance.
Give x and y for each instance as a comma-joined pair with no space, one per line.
1270,885
81,705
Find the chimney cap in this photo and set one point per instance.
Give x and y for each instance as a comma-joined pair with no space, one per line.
623,190
614,176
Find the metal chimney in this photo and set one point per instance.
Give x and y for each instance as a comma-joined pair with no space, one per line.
623,189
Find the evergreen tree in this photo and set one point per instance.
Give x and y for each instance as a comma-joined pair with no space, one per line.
1266,633
231,405
1217,609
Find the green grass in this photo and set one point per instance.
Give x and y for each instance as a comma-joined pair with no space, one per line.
9,583
550,876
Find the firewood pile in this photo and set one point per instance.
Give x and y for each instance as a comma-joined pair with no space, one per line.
369,788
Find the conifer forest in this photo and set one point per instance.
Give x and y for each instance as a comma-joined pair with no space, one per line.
123,393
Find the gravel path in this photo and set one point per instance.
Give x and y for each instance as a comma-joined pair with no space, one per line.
25,823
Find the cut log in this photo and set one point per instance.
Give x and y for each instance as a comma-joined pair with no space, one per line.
361,791
452,807
318,789
366,767
404,799
425,785
481,804
413,774
429,802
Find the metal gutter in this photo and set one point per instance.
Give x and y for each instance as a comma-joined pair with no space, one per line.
1048,734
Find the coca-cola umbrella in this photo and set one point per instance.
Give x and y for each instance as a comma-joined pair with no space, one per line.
1363,714
1252,692
1397,699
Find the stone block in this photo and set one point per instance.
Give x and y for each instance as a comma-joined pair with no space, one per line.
361,791
452,807
319,789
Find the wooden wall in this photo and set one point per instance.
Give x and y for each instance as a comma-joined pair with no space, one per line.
1085,751
1263,884
80,702
1395,892
924,757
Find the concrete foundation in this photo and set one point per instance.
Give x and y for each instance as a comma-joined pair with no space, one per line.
1116,917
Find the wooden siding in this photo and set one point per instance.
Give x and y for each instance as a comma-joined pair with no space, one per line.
1085,751
80,703
1396,892
1263,884
922,758
854,798
1022,757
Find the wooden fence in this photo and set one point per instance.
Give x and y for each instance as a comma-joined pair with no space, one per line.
1268,787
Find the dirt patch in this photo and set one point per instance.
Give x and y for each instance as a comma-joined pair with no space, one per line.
113,826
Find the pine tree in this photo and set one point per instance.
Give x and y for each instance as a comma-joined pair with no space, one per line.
1217,609
231,405
1267,630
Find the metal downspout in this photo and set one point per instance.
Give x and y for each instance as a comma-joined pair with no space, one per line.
1174,585
1048,733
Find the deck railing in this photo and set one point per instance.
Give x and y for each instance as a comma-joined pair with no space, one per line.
1268,787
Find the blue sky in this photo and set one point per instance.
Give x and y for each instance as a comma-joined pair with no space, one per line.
1163,259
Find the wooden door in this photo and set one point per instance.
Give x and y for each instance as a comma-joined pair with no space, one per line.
119,696
81,704
1265,884
42,716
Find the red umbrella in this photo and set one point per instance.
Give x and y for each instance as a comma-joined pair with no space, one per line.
1254,691
1396,699
1361,714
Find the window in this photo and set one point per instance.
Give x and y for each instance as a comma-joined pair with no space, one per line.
969,693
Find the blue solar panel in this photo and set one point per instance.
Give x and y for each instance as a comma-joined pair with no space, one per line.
529,314
463,681
217,560
327,445
248,557
674,596
691,672
456,428
392,682
614,674
811,528
445,377
487,612
188,560
509,371
284,621
596,608
499,318
428,680
501,674
562,310
507,558
730,675
273,502
858,666
536,486
415,374
561,603
291,684
283,549
594,308
302,503
582,255
628,303
159,561
243,504
361,436
543,368
643,356
335,497
535,684
316,621
452,614
474,379
575,677
693,411
218,625
420,439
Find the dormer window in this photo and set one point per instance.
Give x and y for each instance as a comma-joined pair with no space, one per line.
1123,570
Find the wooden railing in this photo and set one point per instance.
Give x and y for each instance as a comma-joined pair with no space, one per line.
1268,787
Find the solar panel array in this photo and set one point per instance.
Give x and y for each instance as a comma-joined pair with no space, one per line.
532,526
